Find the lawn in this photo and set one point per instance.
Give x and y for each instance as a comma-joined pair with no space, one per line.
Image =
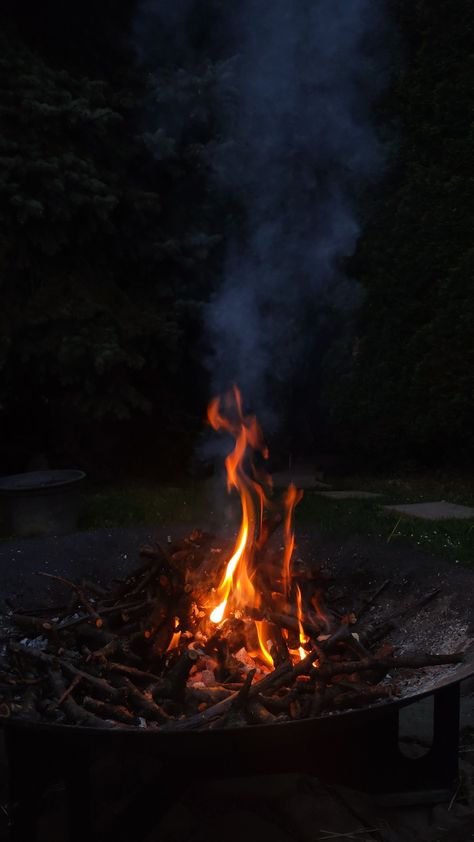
133,504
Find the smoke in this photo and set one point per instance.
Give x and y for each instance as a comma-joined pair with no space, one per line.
295,149
300,146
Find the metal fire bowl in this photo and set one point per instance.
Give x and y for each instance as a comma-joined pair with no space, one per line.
445,624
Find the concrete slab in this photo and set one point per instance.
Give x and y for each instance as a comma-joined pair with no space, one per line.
350,495
438,510
282,479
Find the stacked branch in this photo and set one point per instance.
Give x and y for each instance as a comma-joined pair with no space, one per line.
143,653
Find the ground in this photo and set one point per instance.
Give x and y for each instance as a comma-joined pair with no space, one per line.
144,503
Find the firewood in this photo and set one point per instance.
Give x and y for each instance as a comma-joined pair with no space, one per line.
174,685
257,714
71,676
279,649
319,698
132,672
117,713
142,705
37,625
285,621
95,588
371,634
386,664
75,713
278,704
370,601
206,695
80,592
50,661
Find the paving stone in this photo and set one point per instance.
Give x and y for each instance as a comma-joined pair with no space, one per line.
350,495
438,510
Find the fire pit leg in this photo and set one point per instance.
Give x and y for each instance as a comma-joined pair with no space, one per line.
369,757
444,753
429,778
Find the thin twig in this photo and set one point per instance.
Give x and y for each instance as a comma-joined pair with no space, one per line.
80,592
75,681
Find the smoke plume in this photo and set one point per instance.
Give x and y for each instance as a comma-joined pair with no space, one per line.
300,147
295,149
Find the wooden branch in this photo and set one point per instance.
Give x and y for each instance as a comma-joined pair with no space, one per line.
174,685
142,705
133,672
74,712
72,686
369,602
285,621
257,714
280,676
386,664
51,662
80,592
117,713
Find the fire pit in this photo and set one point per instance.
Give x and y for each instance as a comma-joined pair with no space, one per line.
251,650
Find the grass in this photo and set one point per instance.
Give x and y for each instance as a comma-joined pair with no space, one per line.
129,504
451,539
141,504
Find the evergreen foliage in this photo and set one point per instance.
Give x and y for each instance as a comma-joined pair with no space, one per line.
104,231
409,391
113,235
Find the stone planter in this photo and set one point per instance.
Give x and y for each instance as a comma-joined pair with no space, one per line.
41,502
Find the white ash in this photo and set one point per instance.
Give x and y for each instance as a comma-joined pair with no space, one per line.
35,642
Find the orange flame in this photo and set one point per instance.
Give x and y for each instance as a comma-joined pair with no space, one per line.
174,642
262,639
292,498
237,579
236,586
299,613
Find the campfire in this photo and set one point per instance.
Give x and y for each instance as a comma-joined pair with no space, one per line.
208,632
